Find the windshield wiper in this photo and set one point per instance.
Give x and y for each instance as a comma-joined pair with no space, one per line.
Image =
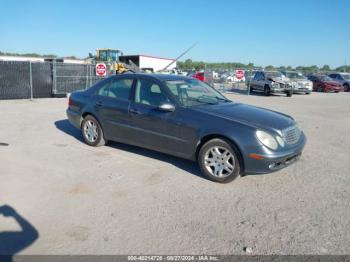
207,100
223,99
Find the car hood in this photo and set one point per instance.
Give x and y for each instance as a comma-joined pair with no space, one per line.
250,115
331,83
279,80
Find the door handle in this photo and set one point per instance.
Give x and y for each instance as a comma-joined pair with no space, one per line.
99,104
134,111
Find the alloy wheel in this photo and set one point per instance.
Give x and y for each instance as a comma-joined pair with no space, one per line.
219,161
90,131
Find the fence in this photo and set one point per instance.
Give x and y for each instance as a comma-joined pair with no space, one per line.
44,79
226,81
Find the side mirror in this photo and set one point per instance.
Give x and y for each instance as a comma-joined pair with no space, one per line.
166,107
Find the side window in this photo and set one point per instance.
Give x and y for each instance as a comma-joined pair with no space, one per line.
103,91
257,76
119,88
333,76
149,93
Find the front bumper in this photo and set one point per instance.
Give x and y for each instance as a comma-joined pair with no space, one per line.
333,89
302,89
280,89
273,161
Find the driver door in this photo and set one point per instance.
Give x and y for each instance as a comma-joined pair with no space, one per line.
153,128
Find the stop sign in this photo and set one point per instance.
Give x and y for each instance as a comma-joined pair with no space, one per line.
101,69
239,74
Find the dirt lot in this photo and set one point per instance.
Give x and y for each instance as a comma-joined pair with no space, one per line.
120,199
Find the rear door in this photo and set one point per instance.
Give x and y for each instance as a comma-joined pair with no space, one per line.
111,104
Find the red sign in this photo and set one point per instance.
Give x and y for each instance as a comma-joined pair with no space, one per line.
239,74
101,69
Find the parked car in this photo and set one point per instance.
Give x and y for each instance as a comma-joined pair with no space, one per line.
299,82
271,82
343,79
187,118
203,76
323,83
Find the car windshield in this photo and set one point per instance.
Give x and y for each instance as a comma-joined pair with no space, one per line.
346,76
274,74
295,75
192,92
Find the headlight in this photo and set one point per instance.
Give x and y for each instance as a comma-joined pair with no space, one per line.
274,84
267,139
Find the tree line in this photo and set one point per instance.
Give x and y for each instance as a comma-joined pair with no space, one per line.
188,64
34,55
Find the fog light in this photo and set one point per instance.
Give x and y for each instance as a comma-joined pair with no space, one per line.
272,166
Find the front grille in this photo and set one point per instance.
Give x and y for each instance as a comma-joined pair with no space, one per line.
291,135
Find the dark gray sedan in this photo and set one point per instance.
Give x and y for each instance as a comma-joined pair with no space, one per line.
187,118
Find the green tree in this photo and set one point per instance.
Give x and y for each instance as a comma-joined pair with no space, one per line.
343,68
326,68
269,67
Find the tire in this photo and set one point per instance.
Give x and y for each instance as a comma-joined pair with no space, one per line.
346,88
320,89
289,93
218,169
307,93
251,89
267,91
94,137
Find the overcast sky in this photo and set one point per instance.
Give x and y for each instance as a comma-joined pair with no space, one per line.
263,32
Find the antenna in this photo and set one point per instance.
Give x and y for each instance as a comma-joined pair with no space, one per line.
182,54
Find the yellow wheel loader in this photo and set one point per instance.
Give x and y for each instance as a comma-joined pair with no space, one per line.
112,57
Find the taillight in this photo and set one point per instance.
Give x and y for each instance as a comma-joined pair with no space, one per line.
70,102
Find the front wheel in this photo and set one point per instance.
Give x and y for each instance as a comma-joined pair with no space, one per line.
289,93
218,161
92,132
267,91
346,88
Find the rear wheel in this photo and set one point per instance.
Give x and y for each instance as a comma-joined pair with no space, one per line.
346,88
218,160
92,132
289,93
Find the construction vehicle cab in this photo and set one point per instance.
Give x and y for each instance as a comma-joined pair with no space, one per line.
108,55
111,56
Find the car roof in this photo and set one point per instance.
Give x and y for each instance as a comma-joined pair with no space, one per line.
164,77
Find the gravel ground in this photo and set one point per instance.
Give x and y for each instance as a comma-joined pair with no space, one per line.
120,199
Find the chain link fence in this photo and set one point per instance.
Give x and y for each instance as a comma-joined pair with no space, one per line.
15,80
27,80
227,81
